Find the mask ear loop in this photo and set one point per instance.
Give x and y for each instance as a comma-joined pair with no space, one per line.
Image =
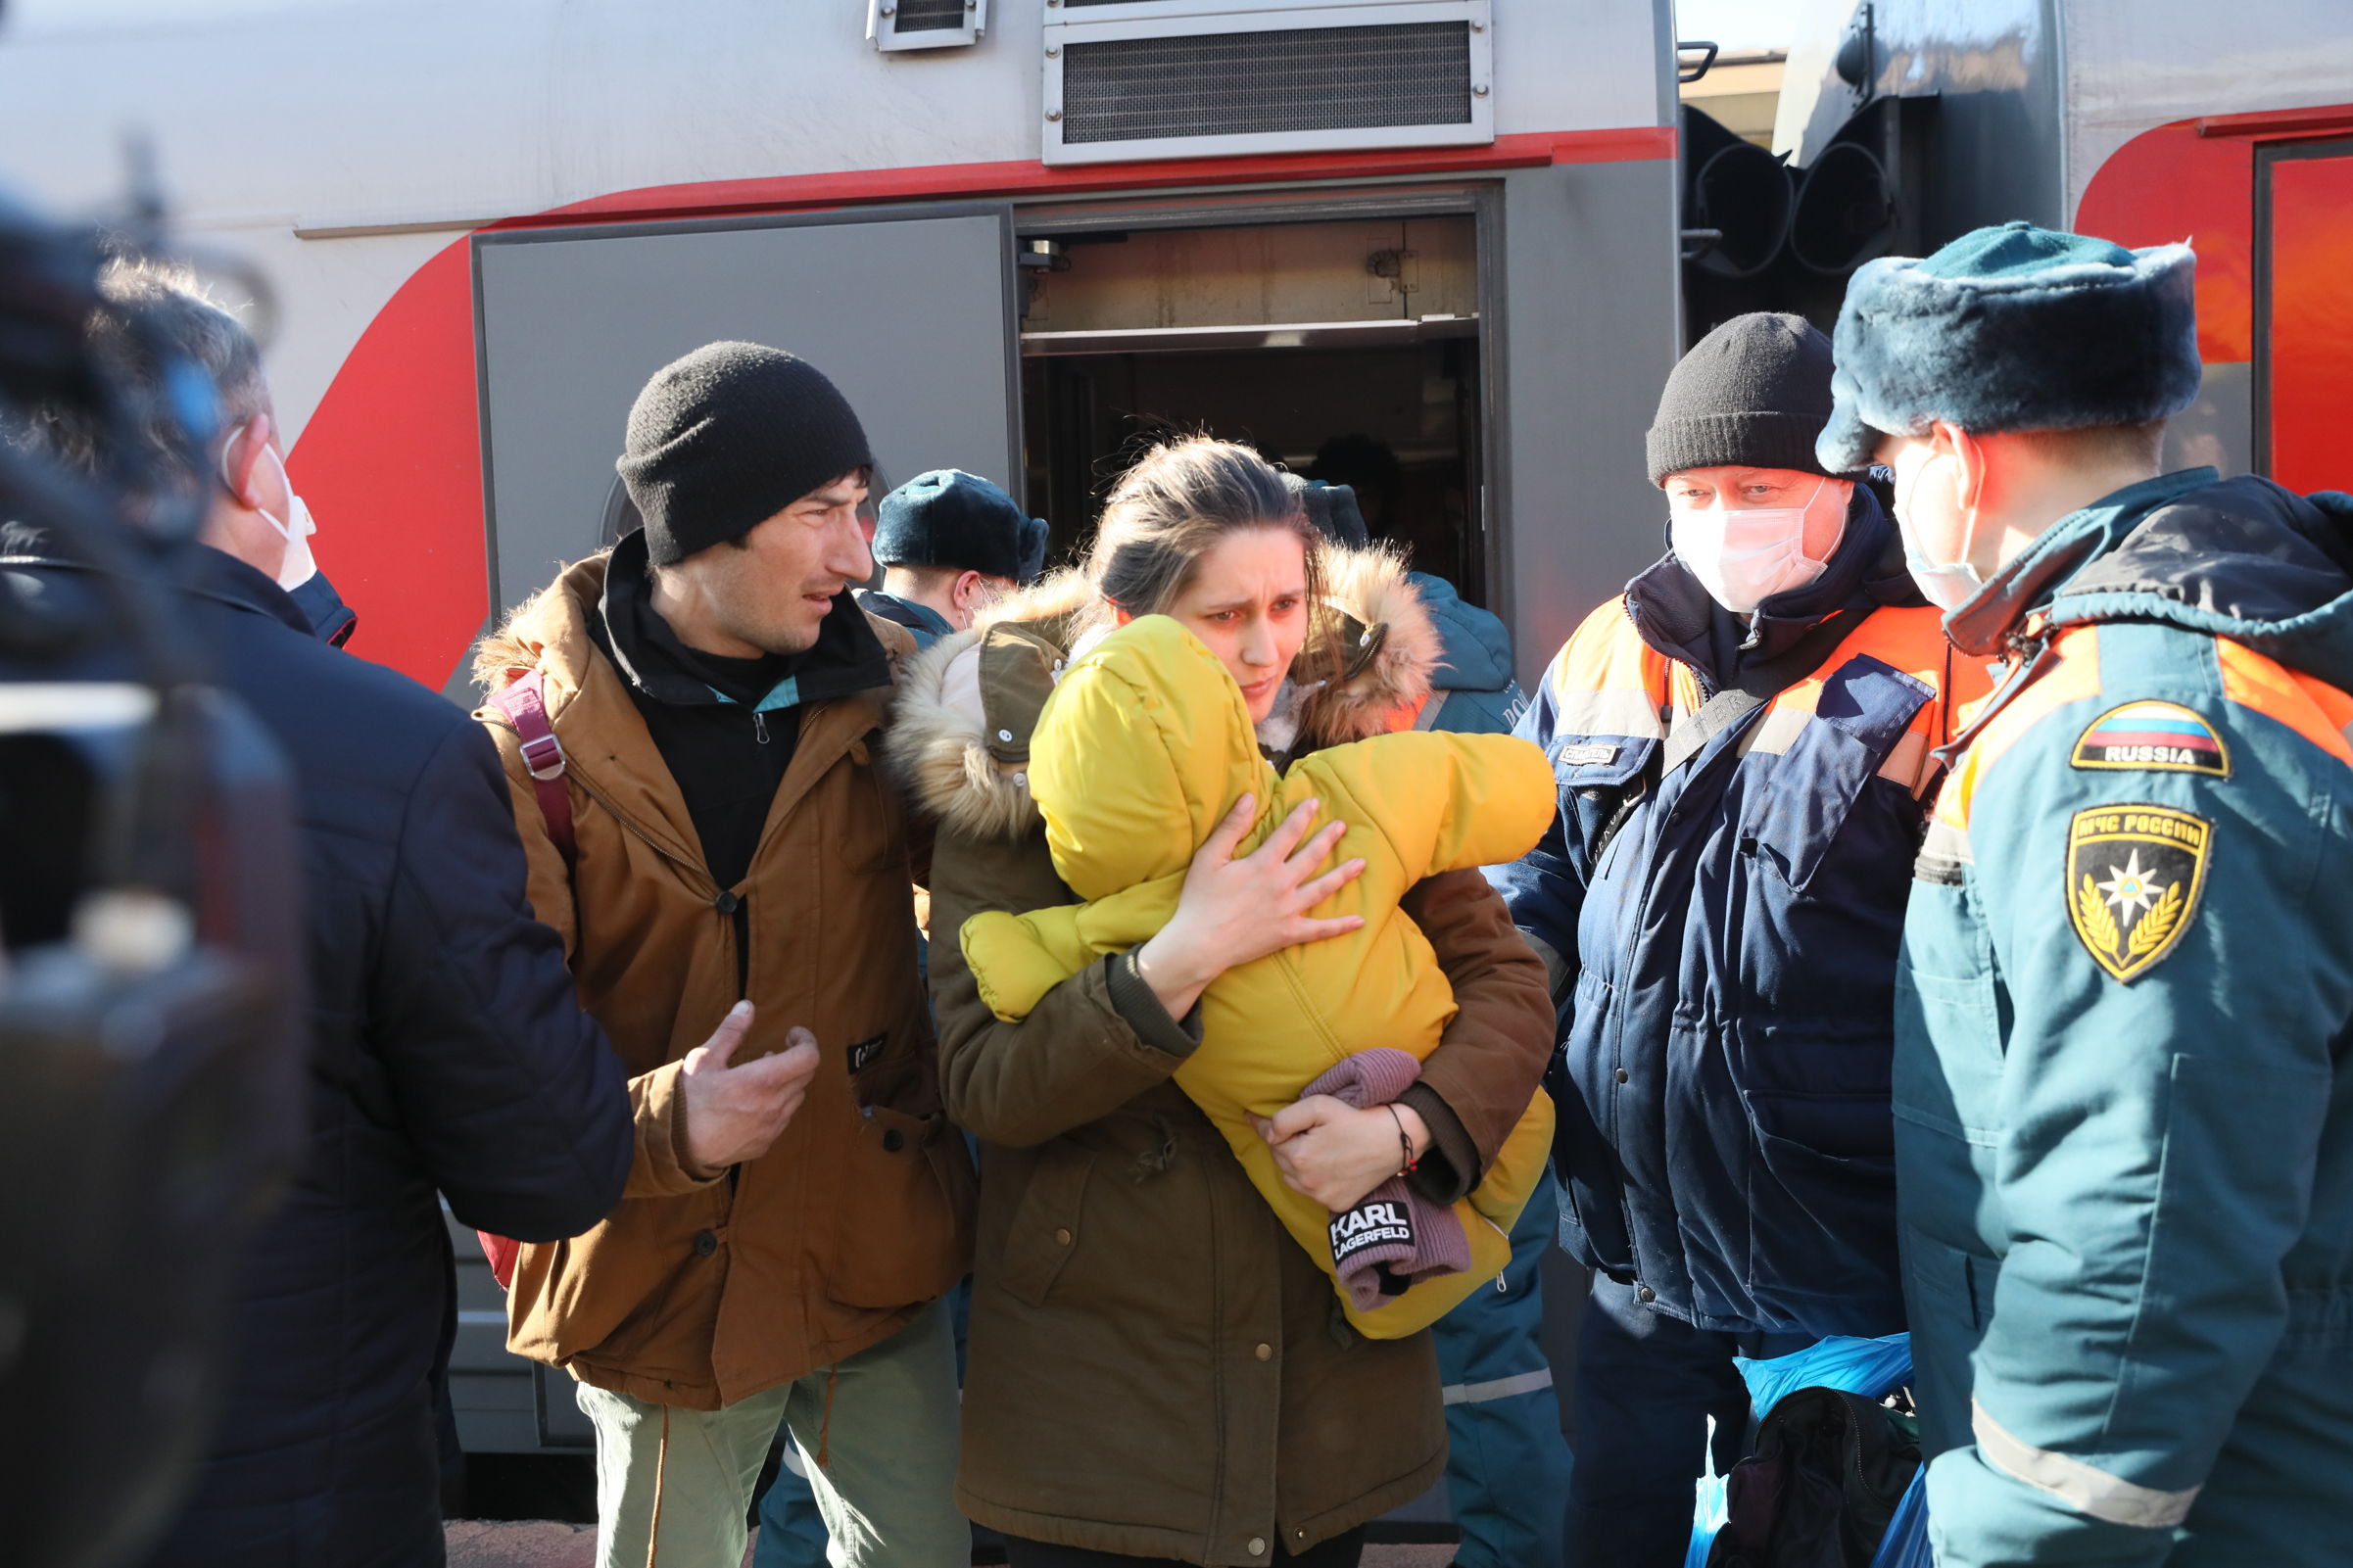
1807,512
1968,560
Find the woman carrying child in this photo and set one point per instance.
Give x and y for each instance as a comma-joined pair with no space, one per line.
1157,1371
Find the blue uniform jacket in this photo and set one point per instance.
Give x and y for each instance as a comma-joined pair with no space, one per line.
2123,1127
1725,962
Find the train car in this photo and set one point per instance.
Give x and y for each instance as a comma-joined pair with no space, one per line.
1907,122
1426,244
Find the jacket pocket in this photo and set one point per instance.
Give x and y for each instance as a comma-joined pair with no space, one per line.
1949,1294
1601,780
1583,1082
1820,1183
906,1194
1864,710
1047,1227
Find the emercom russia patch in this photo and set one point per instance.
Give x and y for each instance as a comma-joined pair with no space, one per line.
2134,874
2152,737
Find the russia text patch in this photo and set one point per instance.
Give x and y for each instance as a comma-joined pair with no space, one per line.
2134,874
2154,737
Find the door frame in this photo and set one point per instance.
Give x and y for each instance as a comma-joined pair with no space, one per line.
2267,155
880,212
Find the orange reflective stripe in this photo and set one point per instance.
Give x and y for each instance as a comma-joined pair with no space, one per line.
1607,681
2072,675
2318,712
1911,640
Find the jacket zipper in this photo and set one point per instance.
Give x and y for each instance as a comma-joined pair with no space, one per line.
760,726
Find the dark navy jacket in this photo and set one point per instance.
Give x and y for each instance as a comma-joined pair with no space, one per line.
448,1057
1721,900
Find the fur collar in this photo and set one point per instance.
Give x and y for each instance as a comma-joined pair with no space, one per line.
941,729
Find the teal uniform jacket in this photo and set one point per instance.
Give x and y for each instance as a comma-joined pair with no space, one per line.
2123,1123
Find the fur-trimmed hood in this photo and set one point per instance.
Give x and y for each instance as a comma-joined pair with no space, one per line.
960,734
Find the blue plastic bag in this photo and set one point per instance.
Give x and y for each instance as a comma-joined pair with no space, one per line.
1709,1512
1905,1545
1872,1368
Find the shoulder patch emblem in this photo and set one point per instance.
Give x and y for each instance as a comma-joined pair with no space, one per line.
2154,737
2134,875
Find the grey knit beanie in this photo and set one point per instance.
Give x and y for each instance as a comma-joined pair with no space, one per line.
1754,393
725,437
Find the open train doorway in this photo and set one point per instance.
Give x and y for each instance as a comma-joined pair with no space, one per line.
1349,349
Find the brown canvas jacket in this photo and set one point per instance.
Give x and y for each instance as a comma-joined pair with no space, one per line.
1155,1368
704,1287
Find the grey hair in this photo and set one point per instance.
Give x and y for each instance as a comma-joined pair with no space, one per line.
172,300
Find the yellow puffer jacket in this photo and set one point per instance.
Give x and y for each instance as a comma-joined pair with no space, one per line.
1141,750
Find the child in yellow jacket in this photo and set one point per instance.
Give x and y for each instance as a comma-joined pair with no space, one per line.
1140,751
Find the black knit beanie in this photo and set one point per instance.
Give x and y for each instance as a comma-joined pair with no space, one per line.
724,439
1754,393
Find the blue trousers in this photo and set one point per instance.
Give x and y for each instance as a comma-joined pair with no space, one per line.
1508,1466
1647,1385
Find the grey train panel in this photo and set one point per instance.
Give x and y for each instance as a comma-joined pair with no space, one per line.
1589,326
907,313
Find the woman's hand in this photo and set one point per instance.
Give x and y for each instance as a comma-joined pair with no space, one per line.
1337,1154
1232,911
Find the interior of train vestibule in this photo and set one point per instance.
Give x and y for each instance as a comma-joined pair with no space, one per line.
1346,347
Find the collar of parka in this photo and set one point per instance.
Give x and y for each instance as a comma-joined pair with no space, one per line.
606,743
959,738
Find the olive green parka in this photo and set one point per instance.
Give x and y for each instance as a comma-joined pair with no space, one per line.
1155,1368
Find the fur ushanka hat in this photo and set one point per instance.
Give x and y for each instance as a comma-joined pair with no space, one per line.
2012,328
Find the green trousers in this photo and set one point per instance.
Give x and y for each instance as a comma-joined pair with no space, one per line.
883,1421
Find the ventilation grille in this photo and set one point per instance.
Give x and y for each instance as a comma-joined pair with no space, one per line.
930,16
1267,83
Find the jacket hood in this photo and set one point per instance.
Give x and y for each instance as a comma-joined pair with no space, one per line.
960,734
1474,648
547,632
2242,559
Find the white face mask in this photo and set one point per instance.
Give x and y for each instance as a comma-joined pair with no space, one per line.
1947,587
1745,556
298,566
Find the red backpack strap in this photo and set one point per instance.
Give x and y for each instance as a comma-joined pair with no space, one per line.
501,1254
525,705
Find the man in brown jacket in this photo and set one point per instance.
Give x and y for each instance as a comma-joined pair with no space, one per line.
723,836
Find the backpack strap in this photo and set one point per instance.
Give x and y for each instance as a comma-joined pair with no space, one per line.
525,705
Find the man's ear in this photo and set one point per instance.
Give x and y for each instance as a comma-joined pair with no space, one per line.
241,461
1970,454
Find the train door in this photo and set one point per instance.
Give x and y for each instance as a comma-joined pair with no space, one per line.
1343,338
910,311
2304,327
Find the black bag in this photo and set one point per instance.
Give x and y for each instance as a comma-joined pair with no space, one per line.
1818,1493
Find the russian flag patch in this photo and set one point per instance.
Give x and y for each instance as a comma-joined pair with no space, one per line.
2154,737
